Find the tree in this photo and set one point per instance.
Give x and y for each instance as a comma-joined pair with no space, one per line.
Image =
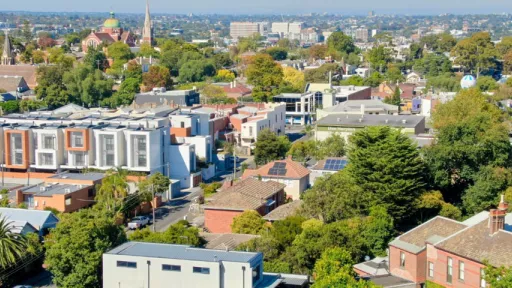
340,42
394,74
50,86
277,53
498,277
395,99
265,75
354,80
26,32
439,43
113,189
332,146
387,163
507,62
74,249
72,38
378,230
180,233
379,57
87,86
56,56
321,74
224,75
270,147
505,45
11,106
486,83
95,59
222,60
4,198
433,65
249,222
335,198
120,53
293,78
196,71
490,182
332,261
302,151
45,41
374,80
146,50
134,71
12,245
130,85
157,76
214,94
470,134
318,51
432,204
38,56
476,53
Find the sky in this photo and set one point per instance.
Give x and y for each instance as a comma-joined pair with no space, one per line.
410,7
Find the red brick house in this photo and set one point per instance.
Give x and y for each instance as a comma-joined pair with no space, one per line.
110,32
446,252
249,194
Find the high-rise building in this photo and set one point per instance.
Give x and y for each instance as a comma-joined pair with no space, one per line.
247,29
288,30
361,34
7,54
371,13
147,30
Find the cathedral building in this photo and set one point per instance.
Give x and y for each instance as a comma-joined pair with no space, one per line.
147,30
110,32
7,53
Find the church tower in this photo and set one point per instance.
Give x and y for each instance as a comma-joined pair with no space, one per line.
147,31
7,54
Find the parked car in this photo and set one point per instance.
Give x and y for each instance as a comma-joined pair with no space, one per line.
138,222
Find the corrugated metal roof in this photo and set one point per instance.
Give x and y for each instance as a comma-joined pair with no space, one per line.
36,218
182,252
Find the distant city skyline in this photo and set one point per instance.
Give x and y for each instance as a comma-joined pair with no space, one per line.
245,7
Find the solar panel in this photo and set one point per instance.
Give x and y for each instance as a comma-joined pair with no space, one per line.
279,165
335,164
277,172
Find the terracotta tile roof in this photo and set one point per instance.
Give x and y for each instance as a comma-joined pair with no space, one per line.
105,37
294,170
475,243
283,211
432,231
227,241
239,89
28,72
248,194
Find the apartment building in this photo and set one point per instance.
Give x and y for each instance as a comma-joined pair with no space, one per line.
362,34
300,108
247,29
252,119
286,29
446,252
136,264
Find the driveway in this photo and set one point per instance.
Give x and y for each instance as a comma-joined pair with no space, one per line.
175,210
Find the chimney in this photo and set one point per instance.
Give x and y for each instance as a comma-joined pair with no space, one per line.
234,83
231,85
497,217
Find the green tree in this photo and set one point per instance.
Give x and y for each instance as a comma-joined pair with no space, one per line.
4,198
374,80
470,134
265,75
157,76
303,151
50,86
394,74
332,146
120,53
432,203
113,189
224,75
490,182
277,53
476,53
72,38
355,80
146,50
26,32
395,99
379,57
179,233
486,83
95,59
321,74
87,86
156,184
332,261
249,222
270,147
338,41
196,71
498,277
12,245
433,65
10,106
378,230
74,249
222,60
387,163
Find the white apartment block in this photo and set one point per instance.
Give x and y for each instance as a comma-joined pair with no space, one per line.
272,116
135,265
288,30
247,29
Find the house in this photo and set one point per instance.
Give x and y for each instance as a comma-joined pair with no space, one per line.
269,116
27,72
248,194
40,220
13,84
414,78
283,211
448,252
300,108
407,93
160,96
226,241
144,62
136,264
347,124
21,227
327,167
235,90
292,174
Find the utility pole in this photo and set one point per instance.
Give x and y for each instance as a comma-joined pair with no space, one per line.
234,162
153,205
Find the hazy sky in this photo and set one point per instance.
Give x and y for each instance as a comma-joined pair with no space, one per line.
266,6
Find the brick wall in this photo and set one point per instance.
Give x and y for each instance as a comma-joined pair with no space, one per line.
181,132
219,221
361,95
414,269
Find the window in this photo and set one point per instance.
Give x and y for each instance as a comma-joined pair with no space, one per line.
17,155
483,284
430,269
109,142
77,140
402,259
109,160
140,151
68,201
166,267
449,270
250,131
201,270
46,159
79,159
126,264
108,146
182,124
48,142
461,270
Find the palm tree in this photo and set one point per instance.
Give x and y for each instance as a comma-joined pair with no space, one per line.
114,188
12,245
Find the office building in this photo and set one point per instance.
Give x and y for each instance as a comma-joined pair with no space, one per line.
247,29
362,35
161,96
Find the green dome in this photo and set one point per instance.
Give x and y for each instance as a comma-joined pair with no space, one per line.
112,22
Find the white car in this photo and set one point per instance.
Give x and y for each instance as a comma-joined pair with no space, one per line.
138,222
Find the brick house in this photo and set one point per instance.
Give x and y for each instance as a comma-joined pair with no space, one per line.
293,174
248,194
446,252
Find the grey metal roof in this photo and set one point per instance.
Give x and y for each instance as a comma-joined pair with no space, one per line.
355,105
36,218
93,176
182,252
50,190
347,120
406,246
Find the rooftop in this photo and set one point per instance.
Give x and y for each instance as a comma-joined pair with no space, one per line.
331,164
287,169
228,241
248,194
357,105
182,252
283,211
348,120
36,218
92,176
49,190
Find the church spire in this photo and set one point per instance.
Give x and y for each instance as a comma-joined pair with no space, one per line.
147,31
7,54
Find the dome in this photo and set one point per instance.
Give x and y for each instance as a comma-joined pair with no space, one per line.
112,22
468,81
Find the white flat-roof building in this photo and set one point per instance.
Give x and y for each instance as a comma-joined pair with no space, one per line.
135,264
